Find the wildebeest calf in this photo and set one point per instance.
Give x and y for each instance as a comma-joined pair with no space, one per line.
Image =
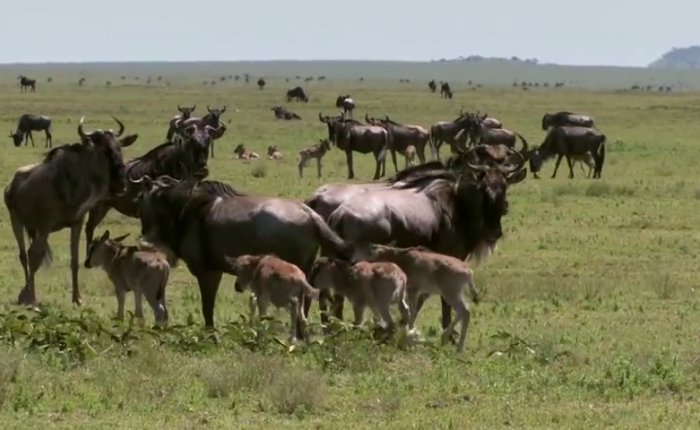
132,268
273,280
429,273
243,154
410,154
313,152
273,153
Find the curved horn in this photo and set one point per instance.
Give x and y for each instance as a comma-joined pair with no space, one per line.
506,170
525,145
223,109
194,107
208,109
461,111
367,120
321,118
478,167
179,108
81,131
138,181
121,127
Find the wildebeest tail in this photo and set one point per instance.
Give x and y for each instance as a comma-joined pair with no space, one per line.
328,238
160,293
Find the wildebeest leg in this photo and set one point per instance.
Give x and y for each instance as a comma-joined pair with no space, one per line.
380,169
208,287
393,159
318,167
95,217
75,230
36,253
556,165
31,137
212,148
421,154
337,304
138,304
18,231
570,162
348,160
120,292
49,139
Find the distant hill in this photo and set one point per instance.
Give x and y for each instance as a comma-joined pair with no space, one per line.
480,59
679,58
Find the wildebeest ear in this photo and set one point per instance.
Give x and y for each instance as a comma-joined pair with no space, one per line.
105,235
121,238
517,177
128,140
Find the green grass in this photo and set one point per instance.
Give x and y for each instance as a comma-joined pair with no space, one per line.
590,310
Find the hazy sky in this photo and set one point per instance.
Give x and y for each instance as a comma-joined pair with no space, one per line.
590,32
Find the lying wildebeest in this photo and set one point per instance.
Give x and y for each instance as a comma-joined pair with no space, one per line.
432,86
570,142
448,132
28,123
212,119
273,153
346,103
203,222
315,152
261,83
298,94
272,280
453,207
401,136
284,113
353,137
445,90
130,268
242,153
566,118
56,193
185,114
25,82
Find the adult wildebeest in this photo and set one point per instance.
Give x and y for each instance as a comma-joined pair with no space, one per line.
573,143
480,131
205,222
401,136
56,193
432,86
346,103
566,118
28,123
453,208
448,132
183,159
445,90
298,94
261,83
349,136
284,113
212,119
25,82
185,114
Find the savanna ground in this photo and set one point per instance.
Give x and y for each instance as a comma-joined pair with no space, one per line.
590,311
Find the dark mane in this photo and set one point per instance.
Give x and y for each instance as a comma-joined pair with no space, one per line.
216,189
77,148
164,159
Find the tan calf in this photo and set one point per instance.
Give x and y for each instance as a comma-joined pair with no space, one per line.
410,155
272,280
132,268
429,273
313,152
273,153
377,285
243,154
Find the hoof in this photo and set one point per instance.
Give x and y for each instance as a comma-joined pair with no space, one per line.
25,298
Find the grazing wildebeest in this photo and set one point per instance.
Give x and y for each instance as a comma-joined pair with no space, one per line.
445,90
25,82
212,119
351,137
347,103
570,142
452,207
185,114
298,94
448,132
56,193
284,113
261,83
242,153
432,86
273,153
204,222
317,152
183,159
566,118
401,136
28,123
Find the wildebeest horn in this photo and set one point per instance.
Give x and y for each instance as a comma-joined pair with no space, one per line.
121,127
208,109
223,109
525,145
461,111
513,168
320,117
179,108
478,167
81,132
367,120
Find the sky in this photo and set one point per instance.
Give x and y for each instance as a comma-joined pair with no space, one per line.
590,32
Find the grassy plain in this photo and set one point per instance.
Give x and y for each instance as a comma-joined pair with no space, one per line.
590,313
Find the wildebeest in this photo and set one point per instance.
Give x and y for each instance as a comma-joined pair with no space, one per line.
401,136
349,136
480,131
25,82
145,272
212,119
566,118
298,94
28,123
315,152
445,90
273,153
56,193
204,222
331,120
346,103
261,83
242,153
453,207
570,141
410,156
432,86
183,159
185,114
284,113
448,132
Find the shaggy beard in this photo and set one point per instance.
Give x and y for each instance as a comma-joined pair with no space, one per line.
148,245
482,251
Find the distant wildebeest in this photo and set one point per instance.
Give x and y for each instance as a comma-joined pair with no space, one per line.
298,94
57,193
401,136
261,83
204,222
273,153
186,158
315,152
28,123
242,153
429,273
349,136
432,86
566,118
212,119
346,103
572,143
25,82
410,156
364,284
445,90
284,113
448,132
185,114
273,280
453,207
131,268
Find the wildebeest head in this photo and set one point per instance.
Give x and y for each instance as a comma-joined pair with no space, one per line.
16,137
106,143
213,118
243,268
186,111
197,138
330,121
97,254
272,149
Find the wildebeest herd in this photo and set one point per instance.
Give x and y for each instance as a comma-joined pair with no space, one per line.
382,243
